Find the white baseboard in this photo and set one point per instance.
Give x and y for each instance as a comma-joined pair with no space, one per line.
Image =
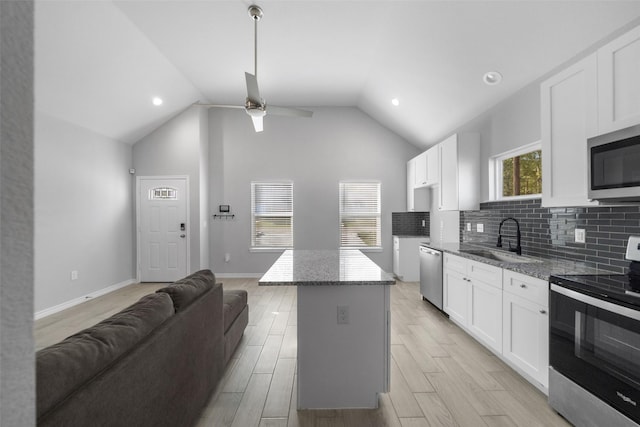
57,308
238,275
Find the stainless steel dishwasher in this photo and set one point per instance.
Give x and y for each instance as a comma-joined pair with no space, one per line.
431,275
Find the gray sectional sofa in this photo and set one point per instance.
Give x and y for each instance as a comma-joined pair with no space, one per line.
155,363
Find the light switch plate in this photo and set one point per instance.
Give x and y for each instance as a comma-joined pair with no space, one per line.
468,226
480,228
580,235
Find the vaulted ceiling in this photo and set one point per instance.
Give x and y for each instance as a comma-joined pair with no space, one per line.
100,63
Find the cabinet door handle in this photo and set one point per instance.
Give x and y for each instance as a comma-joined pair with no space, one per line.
543,311
523,286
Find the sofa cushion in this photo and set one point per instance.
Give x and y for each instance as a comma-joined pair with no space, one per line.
234,302
63,367
184,291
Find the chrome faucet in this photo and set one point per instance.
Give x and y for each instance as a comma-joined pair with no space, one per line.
518,248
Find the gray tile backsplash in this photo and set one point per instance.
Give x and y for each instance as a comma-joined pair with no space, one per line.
409,223
549,232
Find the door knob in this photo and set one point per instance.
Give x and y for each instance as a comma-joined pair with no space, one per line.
183,236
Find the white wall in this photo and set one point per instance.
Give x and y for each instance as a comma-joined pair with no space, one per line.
336,144
175,149
83,212
204,188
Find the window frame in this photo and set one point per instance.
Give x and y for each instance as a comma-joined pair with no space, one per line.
495,172
269,248
378,216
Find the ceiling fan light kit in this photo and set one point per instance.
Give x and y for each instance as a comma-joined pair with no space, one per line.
255,106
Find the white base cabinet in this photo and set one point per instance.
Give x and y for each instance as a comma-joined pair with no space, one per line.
472,294
406,258
485,316
455,296
526,325
504,310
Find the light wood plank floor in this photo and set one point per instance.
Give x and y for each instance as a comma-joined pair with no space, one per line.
439,375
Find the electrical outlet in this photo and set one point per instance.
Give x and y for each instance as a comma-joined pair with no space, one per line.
343,315
480,228
468,226
227,257
581,235
74,275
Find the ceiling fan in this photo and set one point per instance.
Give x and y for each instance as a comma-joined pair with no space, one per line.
254,105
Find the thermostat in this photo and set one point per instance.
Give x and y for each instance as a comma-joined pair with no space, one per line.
223,208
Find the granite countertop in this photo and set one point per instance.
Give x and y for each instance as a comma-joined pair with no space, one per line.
541,268
324,267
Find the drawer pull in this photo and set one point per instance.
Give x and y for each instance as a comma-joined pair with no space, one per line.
543,311
523,286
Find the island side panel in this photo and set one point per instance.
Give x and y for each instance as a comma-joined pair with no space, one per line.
342,365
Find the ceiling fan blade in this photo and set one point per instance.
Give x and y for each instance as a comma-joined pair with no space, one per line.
286,111
218,105
257,123
252,88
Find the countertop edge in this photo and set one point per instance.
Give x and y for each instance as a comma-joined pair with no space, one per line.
543,269
329,283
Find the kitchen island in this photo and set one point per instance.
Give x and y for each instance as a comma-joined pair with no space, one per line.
343,326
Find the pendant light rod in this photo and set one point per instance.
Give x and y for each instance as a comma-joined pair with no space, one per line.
255,12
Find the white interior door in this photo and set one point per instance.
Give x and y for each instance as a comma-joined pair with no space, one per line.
163,228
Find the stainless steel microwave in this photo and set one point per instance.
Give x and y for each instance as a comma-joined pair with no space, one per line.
614,165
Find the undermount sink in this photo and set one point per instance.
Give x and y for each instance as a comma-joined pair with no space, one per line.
499,256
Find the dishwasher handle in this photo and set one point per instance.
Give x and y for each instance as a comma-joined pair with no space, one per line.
429,251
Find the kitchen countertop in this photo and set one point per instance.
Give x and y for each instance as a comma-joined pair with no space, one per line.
542,268
325,267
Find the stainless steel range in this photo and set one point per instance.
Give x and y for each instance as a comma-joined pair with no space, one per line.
594,349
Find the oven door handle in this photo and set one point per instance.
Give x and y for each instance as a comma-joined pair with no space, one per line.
605,305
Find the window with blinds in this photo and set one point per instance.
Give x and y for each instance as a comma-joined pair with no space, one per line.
272,214
360,214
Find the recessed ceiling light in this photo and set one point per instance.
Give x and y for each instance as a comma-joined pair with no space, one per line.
492,78
157,101
395,102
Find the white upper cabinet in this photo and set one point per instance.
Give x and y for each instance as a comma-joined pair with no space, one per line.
421,170
619,83
418,199
448,152
454,165
595,96
433,165
411,177
568,118
459,172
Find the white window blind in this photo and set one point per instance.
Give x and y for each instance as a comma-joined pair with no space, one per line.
272,214
360,214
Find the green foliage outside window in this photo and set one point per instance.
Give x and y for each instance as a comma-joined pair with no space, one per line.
522,175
